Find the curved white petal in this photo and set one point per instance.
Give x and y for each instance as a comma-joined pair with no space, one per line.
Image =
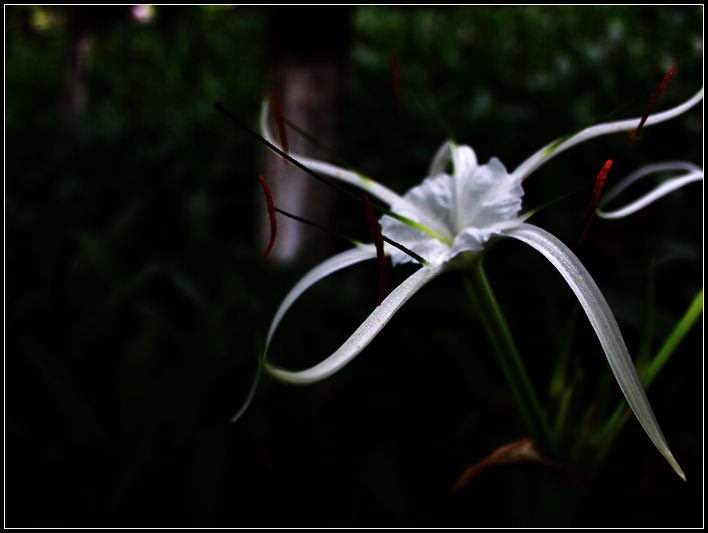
556,147
693,173
331,265
662,190
364,334
370,186
667,166
605,326
398,204
338,262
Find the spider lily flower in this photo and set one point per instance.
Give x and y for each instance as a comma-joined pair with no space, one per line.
449,220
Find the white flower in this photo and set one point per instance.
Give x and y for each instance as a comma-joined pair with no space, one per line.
458,214
464,210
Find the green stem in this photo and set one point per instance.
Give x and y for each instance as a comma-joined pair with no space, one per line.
647,332
502,342
677,335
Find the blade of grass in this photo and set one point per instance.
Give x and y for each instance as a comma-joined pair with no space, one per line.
490,313
647,332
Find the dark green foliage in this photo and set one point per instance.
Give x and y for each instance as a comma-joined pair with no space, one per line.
137,298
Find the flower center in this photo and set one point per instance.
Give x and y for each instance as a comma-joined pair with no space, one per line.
455,210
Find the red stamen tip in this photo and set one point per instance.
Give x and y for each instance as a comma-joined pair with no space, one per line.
377,236
281,123
596,193
655,98
396,83
271,213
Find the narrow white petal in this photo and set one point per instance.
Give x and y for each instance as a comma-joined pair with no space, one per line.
338,262
370,186
667,166
553,149
605,326
364,333
662,190
331,265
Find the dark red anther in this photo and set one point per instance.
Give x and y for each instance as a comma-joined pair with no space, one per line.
655,98
396,83
281,123
271,213
377,236
596,193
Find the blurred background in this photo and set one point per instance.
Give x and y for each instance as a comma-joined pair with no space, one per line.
137,295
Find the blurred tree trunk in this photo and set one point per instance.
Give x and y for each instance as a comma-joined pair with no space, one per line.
307,50
83,25
73,100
